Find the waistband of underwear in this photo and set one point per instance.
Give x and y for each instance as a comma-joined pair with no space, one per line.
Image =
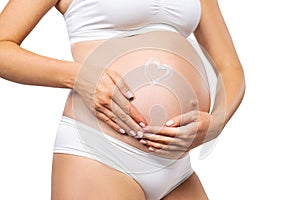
117,143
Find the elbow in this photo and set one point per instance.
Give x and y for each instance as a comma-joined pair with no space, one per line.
242,82
4,42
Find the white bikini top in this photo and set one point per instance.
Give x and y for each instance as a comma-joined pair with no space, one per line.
103,19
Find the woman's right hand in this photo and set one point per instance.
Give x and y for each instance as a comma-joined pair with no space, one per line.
110,102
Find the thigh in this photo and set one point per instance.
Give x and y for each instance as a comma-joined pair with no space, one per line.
191,189
79,178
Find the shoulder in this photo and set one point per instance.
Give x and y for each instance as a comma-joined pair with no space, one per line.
20,17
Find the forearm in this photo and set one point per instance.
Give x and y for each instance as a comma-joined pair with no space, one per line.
213,35
229,94
22,66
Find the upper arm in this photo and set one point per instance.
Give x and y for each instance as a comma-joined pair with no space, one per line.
19,17
213,35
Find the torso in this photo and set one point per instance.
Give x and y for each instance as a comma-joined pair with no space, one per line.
150,100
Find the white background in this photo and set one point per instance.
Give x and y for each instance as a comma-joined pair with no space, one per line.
257,155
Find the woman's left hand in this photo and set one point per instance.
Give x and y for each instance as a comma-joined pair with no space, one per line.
181,133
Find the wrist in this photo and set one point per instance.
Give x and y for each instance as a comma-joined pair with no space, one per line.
69,76
216,126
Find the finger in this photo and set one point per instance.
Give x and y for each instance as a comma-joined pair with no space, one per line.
158,138
180,143
170,154
166,131
183,119
109,122
115,94
107,112
121,84
106,105
128,108
154,146
123,118
113,121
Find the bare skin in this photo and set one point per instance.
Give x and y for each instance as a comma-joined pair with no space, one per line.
19,65
92,180
146,96
190,189
77,178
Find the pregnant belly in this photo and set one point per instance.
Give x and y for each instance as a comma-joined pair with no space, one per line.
164,83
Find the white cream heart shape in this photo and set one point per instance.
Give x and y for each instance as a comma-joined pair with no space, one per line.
156,72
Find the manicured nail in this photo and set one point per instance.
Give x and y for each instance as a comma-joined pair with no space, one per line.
142,125
132,133
143,141
129,94
122,131
151,149
170,122
139,134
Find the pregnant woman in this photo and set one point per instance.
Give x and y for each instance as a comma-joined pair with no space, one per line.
139,99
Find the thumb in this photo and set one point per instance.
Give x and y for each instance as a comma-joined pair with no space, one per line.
183,119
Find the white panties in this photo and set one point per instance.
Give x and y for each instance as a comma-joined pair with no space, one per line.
156,175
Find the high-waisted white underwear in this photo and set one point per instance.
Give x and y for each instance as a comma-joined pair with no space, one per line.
156,175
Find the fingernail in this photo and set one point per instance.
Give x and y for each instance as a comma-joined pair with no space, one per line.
122,131
143,141
151,149
170,122
142,125
129,94
132,133
139,134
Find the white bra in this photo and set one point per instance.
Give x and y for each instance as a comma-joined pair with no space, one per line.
103,19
